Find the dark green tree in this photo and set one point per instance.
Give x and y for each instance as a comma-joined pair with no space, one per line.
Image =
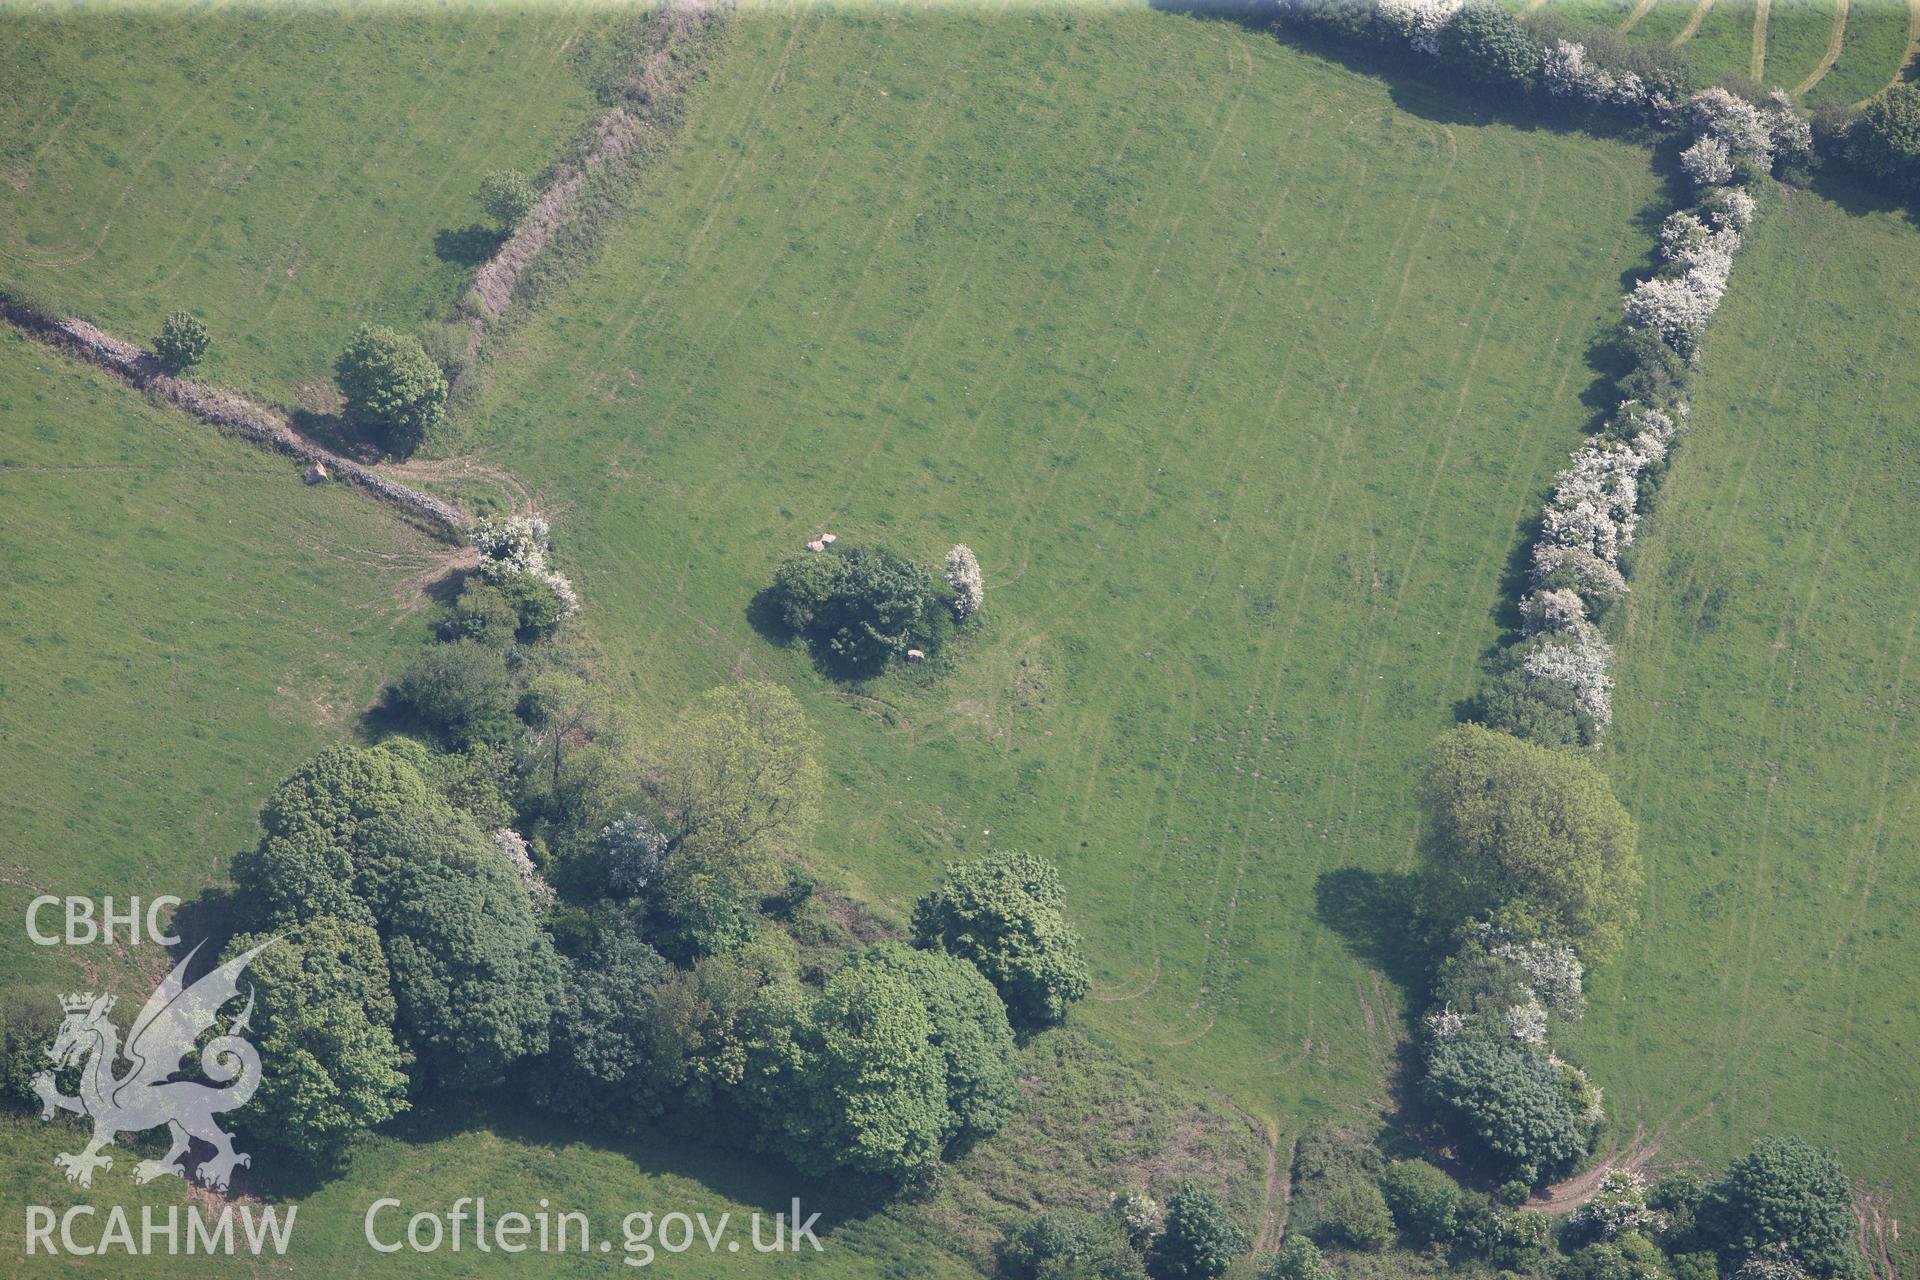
1511,1100
970,1030
1786,1195
1199,1238
391,385
323,1019
596,1063
304,865
1886,137
1003,913
474,977
1487,45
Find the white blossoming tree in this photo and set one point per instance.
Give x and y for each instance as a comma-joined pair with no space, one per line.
1707,162
1418,22
963,575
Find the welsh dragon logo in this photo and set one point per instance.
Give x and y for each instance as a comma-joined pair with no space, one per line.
144,1096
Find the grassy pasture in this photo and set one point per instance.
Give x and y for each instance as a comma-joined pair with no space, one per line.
1766,738
285,173
186,622
1876,39
1798,32
1241,374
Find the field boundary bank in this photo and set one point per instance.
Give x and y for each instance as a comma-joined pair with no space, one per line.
614,148
257,423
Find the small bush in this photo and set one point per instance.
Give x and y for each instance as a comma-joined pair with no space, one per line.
1352,1212
482,613
1422,1198
182,342
507,196
28,1024
1298,1259
1069,1244
1515,1193
460,689
1199,1240
535,601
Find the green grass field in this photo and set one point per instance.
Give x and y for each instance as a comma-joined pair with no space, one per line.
1766,738
1240,379
1720,36
1242,372
284,175
187,622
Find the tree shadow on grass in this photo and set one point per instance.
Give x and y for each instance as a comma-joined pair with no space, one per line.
702,1154
467,246
1376,913
763,615
333,432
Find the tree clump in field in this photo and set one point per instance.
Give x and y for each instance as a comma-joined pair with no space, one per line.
508,196
391,385
1004,914
861,608
182,343
1528,836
